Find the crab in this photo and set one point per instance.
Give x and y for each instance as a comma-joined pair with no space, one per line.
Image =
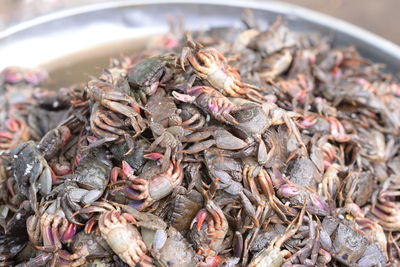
144,191
49,232
106,124
167,138
192,118
147,74
254,175
51,228
210,101
184,207
227,170
221,138
30,172
209,243
330,126
116,228
210,65
87,184
255,119
273,255
385,211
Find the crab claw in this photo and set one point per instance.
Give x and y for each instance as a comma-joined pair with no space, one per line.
199,219
183,97
5,134
70,232
114,174
288,190
126,168
65,134
12,125
316,202
137,108
153,156
308,121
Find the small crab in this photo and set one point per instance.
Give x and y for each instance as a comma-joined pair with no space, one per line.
49,232
192,118
330,126
147,191
51,228
209,238
256,119
384,210
253,175
117,102
210,65
185,206
210,101
227,170
221,139
31,172
54,141
87,184
147,74
168,138
116,228
273,255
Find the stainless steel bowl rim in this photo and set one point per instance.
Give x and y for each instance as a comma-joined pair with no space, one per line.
273,6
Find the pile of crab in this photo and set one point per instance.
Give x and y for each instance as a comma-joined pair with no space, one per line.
229,147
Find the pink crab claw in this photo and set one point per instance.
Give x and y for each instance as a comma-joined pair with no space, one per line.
5,134
308,121
54,177
213,261
195,90
183,97
137,108
200,217
126,168
213,106
12,125
289,190
153,156
114,174
316,202
70,232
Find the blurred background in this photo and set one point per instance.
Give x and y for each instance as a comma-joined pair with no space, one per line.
378,16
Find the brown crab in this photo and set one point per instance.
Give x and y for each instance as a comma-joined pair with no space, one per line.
273,255
384,210
106,124
144,191
210,65
210,101
123,238
209,243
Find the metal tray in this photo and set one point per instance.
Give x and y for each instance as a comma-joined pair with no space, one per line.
56,35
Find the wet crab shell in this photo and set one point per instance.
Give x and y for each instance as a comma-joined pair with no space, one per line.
252,121
146,72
